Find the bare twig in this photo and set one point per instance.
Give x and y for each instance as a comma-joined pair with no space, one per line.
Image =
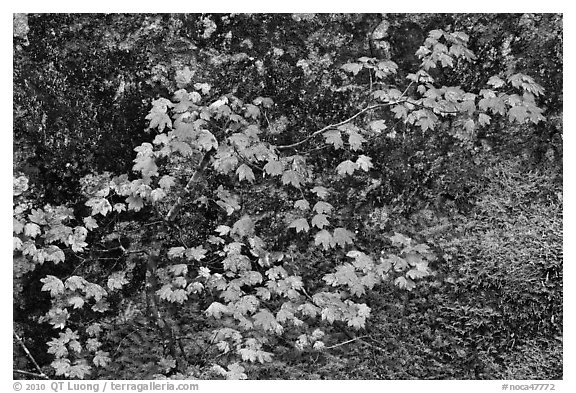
43,376
345,342
41,373
335,125
193,180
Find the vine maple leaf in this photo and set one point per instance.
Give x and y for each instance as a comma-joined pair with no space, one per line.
245,173
342,237
355,140
292,177
302,204
346,167
52,284
320,221
274,167
324,238
300,225
334,138
322,192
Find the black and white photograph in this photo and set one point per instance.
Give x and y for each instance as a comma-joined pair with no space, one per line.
362,196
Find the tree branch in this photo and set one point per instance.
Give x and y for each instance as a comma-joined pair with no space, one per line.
43,376
335,125
40,372
193,180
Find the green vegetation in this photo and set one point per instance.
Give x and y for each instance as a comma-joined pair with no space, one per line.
277,196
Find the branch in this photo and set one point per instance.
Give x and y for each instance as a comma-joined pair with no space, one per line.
335,125
345,342
41,373
193,180
43,376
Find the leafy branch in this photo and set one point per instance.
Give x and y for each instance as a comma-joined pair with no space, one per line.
336,125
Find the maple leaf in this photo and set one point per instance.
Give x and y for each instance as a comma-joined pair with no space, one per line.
274,167
334,138
355,140
495,81
101,359
75,282
426,122
222,230
196,253
76,301
342,237
322,192
207,140
346,167
99,205
400,240
165,293
52,284
329,314
176,252
17,226
119,207
378,125
400,111
135,203
32,230
320,221
357,322
184,77
95,291
117,280
353,68
416,273
38,216
252,111
322,207
61,366
405,283
324,238
157,194
79,371
216,310
518,113
166,182
483,119
300,225
236,372
413,258
16,243
292,177
245,172
158,119
266,320
361,261
90,223
302,204
94,329
364,162
243,227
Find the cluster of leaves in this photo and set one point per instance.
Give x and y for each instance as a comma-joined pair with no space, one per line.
241,274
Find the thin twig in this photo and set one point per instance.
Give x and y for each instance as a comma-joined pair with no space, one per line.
43,376
345,342
41,373
335,125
